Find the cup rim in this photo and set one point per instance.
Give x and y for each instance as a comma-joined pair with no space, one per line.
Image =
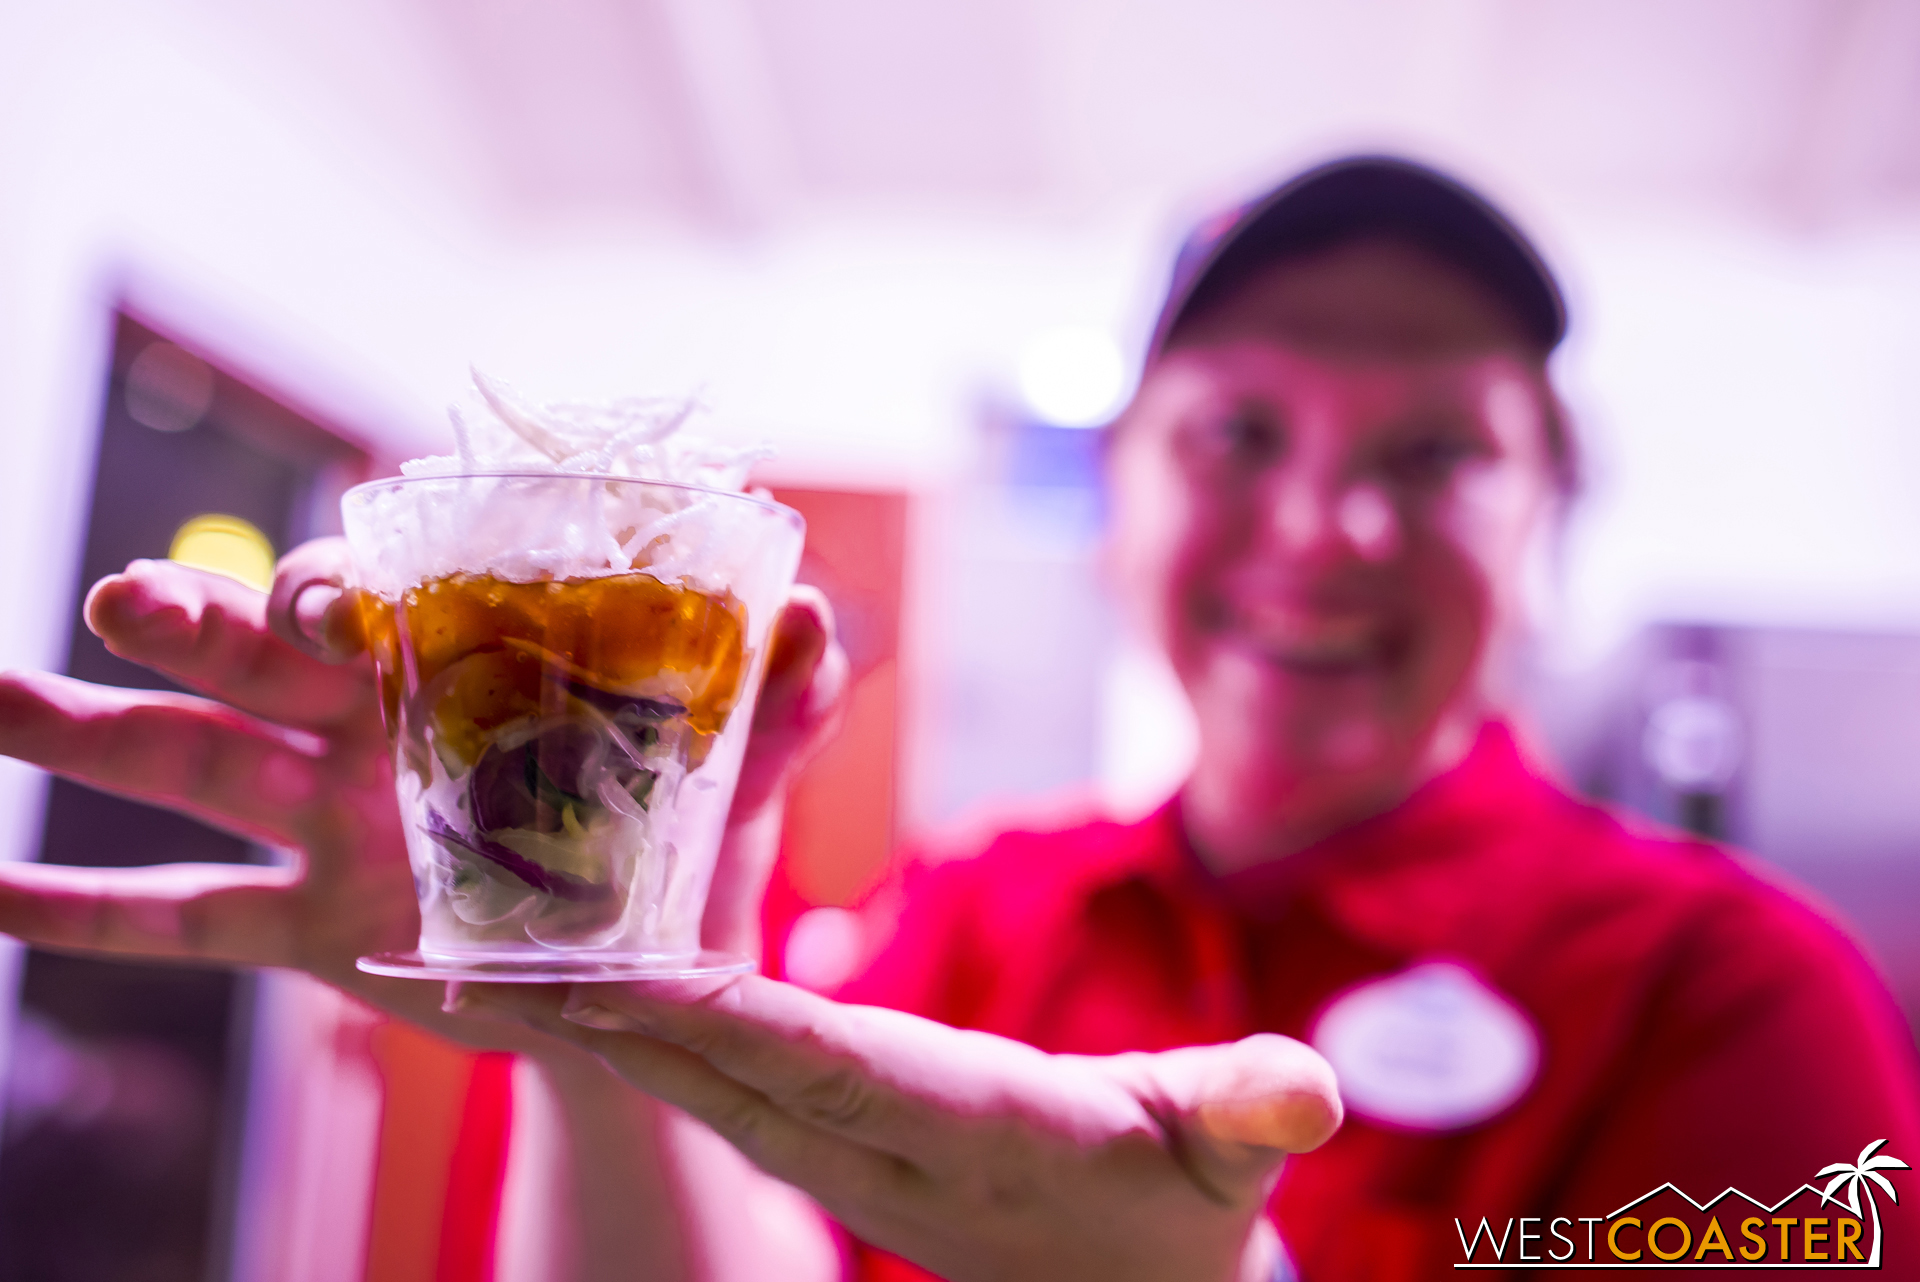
524,473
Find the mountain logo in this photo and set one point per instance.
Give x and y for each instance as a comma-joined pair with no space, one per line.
1666,1228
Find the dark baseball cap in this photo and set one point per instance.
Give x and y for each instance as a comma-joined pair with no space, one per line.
1355,198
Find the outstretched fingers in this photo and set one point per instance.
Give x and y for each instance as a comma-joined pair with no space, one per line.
808,1056
211,633
905,1128
905,1086
190,755
222,913
841,1172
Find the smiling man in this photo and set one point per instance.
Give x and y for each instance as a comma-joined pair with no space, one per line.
1327,489
1328,494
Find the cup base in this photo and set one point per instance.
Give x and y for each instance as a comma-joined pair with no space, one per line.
559,969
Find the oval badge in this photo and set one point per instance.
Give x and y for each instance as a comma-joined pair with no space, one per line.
1431,1048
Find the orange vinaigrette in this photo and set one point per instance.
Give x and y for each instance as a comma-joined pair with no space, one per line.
542,723
523,642
567,662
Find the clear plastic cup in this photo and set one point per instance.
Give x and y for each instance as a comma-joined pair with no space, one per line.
567,666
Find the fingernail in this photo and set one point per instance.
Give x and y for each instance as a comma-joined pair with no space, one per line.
310,606
611,1021
118,604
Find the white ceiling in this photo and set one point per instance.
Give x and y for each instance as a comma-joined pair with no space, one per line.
748,113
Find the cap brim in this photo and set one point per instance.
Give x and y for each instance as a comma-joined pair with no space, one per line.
1354,198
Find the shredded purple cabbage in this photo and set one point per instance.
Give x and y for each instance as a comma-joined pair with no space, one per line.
529,785
546,880
639,708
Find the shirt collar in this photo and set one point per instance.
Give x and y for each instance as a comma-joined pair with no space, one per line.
1372,876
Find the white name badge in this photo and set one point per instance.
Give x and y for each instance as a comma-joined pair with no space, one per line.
1431,1048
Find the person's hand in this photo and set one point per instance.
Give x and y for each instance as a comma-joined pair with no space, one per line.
290,751
971,1155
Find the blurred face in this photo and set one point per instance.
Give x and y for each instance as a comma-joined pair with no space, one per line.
1326,492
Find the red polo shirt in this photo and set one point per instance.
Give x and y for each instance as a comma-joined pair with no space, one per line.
1659,1010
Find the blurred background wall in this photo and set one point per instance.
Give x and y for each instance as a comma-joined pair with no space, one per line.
914,248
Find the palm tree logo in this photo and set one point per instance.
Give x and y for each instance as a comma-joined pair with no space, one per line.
1855,1175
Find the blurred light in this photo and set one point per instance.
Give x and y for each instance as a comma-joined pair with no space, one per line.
824,948
1072,376
168,389
225,545
1693,743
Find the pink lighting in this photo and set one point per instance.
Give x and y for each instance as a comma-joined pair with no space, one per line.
916,248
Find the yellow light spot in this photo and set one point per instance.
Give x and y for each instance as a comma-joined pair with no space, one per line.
225,545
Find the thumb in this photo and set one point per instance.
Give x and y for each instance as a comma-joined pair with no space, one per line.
310,607
1238,1109
802,699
